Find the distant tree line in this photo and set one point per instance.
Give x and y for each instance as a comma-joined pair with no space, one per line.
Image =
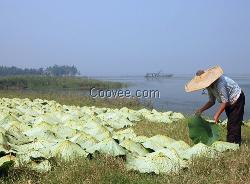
49,71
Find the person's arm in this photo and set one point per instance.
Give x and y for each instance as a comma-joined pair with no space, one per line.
220,111
208,105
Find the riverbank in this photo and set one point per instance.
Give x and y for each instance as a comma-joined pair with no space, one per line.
41,82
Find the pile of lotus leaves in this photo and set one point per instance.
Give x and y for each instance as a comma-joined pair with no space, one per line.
32,133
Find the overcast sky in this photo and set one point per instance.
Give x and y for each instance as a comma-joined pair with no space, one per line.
119,37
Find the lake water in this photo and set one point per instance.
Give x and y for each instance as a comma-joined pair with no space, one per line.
172,94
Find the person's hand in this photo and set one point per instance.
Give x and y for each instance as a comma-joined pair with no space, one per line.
216,118
198,112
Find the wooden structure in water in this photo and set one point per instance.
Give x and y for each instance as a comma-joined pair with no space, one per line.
158,75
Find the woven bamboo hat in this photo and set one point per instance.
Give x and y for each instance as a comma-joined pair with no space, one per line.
203,79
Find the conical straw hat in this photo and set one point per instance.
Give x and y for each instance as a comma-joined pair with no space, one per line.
204,80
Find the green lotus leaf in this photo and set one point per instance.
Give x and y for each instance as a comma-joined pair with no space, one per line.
247,123
45,147
96,130
175,116
37,133
125,134
27,119
7,119
158,142
74,124
15,136
199,150
33,160
68,150
41,167
203,131
64,132
84,140
140,139
118,124
27,157
161,161
221,146
45,126
3,139
2,130
130,114
28,111
157,118
178,146
115,119
19,125
134,147
108,146
56,117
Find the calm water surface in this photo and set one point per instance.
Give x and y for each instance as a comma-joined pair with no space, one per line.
172,94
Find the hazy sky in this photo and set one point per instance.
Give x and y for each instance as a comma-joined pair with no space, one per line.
117,37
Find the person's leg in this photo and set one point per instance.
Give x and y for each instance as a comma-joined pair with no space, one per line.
235,114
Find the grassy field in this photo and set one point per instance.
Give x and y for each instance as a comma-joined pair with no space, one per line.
231,167
37,82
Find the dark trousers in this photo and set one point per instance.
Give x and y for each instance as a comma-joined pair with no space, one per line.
235,114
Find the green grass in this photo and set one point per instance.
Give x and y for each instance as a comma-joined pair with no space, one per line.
231,167
37,82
